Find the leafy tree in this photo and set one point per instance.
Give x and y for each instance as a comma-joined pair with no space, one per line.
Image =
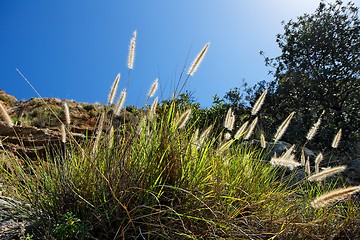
318,69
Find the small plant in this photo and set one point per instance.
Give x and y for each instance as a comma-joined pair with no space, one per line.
69,227
27,237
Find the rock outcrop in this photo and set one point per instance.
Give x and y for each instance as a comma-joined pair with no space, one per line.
352,172
37,122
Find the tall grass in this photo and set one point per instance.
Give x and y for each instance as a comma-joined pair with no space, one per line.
166,177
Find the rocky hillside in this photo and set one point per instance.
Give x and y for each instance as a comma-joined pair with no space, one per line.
37,122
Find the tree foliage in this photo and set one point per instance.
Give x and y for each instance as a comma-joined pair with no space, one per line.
318,69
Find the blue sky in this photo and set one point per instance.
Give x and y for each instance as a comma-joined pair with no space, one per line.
74,49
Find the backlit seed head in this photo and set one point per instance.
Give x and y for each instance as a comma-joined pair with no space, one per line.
131,56
153,88
282,128
114,86
196,63
241,130
182,120
251,128
259,103
229,120
67,114
120,103
334,196
336,139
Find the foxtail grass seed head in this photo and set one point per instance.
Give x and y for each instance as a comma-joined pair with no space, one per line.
195,64
153,88
262,140
120,103
131,57
63,133
289,153
326,173
183,119
112,93
282,128
251,128
318,159
307,167
195,138
111,137
67,114
313,130
241,130
6,116
153,107
334,196
259,103
229,120
204,135
303,159
336,140
285,162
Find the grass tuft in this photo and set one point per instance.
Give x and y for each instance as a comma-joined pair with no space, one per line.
169,176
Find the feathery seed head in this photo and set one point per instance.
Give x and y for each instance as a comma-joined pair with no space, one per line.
307,166
63,133
303,159
281,161
318,159
229,120
153,88
182,120
111,137
195,64
334,196
289,153
204,135
336,140
282,128
131,57
112,93
259,103
153,107
195,139
241,130
6,116
121,102
251,128
326,173
262,140
67,114
287,159
313,130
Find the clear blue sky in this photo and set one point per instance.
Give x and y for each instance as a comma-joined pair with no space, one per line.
73,49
